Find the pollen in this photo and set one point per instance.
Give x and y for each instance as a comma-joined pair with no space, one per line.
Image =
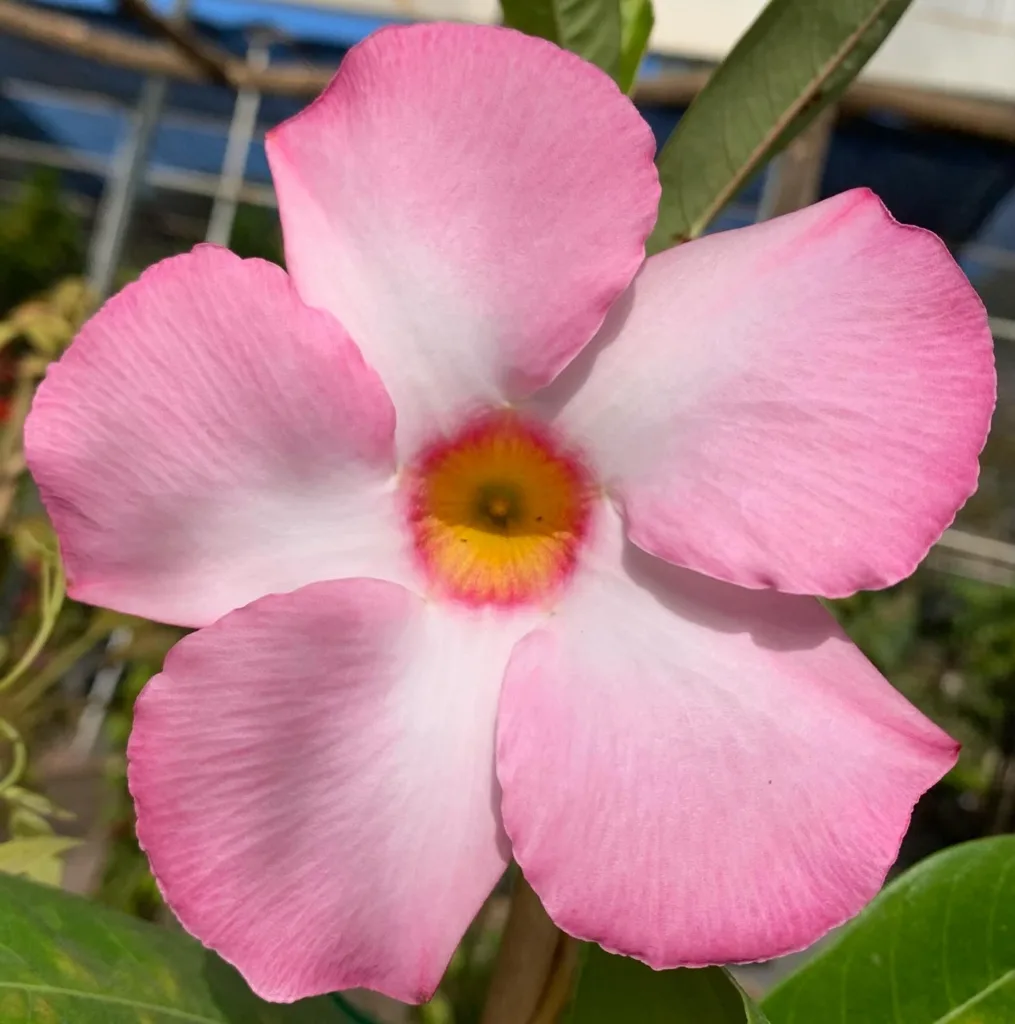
498,512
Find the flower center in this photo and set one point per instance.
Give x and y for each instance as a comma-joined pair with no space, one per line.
498,512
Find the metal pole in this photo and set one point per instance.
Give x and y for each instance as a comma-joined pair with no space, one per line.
234,164
120,194
794,177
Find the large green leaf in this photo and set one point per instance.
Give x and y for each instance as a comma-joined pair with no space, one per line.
793,61
636,21
936,947
64,959
590,28
615,989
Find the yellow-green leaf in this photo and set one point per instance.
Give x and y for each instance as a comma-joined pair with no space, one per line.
36,857
21,797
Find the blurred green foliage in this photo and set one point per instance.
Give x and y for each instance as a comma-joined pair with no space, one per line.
948,644
257,233
41,240
610,986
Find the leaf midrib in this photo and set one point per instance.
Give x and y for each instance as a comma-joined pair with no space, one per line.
951,1015
783,122
99,997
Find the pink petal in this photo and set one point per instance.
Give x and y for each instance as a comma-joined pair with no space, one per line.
470,231
694,773
208,439
314,783
797,404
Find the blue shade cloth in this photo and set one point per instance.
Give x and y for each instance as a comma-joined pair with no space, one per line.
944,181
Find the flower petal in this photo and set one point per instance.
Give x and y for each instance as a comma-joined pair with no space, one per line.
208,439
470,234
798,404
694,773
314,783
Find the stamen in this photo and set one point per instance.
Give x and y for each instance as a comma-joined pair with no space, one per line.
499,512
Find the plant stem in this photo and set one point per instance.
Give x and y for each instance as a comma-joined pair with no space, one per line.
19,755
531,978
59,664
51,601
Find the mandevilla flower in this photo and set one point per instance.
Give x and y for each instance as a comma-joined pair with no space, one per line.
492,529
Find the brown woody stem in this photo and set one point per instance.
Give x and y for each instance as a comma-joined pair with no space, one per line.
531,980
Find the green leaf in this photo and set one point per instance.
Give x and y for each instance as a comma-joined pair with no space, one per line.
614,989
937,946
590,28
64,959
792,62
636,21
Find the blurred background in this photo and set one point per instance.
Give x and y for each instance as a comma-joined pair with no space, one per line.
132,129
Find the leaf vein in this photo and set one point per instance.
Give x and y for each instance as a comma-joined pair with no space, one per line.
953,1014
55,990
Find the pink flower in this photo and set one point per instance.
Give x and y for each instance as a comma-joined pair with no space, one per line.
482,574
